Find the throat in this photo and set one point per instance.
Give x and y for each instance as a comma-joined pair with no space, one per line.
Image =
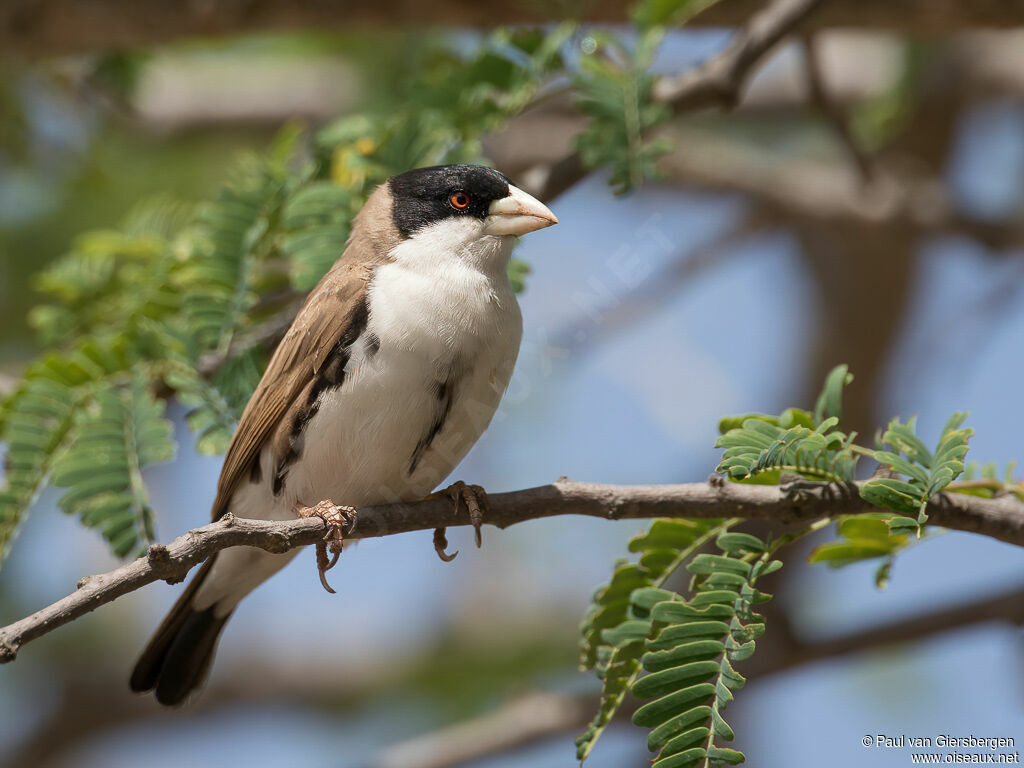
457,242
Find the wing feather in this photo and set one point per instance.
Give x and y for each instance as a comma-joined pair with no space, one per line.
332,312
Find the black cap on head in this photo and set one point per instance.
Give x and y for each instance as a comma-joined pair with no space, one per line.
427,195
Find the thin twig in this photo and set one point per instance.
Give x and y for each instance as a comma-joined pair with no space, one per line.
515,724
998,518
833,113
718,82
795,188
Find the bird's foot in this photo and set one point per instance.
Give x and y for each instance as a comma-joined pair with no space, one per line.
337,519
475,498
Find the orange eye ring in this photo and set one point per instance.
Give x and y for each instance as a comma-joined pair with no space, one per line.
459,201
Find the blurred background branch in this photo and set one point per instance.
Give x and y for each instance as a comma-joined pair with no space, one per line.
55,27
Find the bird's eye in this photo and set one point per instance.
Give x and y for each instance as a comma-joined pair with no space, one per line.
459,200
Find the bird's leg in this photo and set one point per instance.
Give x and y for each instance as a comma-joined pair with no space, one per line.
337,519
475,498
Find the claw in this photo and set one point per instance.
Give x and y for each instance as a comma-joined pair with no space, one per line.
475,498
336,519
441,544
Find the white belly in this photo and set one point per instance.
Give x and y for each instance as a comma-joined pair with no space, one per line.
361,446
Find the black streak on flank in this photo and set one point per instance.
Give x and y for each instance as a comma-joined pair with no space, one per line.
329,376
372,344
445,396
282,470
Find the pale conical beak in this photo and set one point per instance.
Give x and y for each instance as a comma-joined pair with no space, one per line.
517,214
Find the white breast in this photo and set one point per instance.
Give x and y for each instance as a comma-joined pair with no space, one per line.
433,313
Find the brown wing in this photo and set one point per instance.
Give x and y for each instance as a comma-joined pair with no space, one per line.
331,318
312,353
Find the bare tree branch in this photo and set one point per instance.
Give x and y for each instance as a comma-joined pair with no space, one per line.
512,725
1004,606
833,113
999,518
918,17
795,188
57,27
718,82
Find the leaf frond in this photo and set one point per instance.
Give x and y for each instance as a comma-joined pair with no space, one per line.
919,473
614,626
120,429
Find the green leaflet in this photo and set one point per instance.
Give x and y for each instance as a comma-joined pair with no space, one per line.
315,223
452,99
40,420
925,473
830,401
232,235
614,91
678,652
758,448
36,425
688,672
119,430
211,417
660,547
791,417
112,279
864,537
215,404
618,620
518,270
987,481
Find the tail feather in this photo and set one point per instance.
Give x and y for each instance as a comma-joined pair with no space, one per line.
179,655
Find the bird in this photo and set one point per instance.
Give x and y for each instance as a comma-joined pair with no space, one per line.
390,372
